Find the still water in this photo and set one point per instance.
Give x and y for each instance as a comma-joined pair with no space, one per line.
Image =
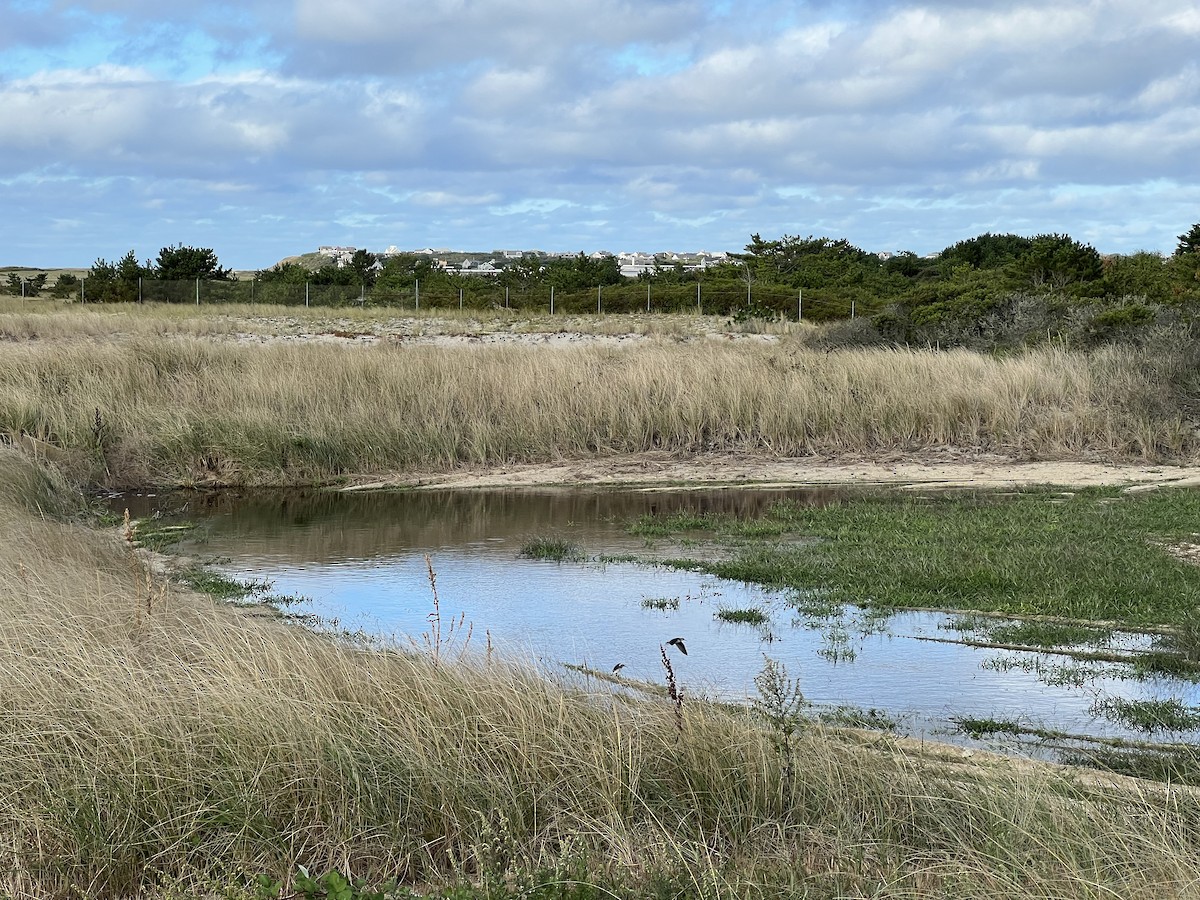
360,559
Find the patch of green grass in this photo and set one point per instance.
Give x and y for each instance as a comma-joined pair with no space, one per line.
1096,555
978,728
1165,662
662,526
103,517
224,587
618,558
749,616
159,535
660,603
1149,715
1046,634
857,717
1185,640
555,549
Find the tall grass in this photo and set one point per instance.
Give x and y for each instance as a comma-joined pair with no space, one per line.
150,736
148,409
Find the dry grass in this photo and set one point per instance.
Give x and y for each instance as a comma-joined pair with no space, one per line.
173,400
52,319
149,735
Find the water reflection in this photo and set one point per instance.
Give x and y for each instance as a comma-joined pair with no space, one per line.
361,560
327,526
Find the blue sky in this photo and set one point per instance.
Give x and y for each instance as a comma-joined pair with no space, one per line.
265,128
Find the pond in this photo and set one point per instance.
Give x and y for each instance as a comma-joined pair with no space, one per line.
363,561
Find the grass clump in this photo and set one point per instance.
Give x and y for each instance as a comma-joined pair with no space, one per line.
160,535
1149,715
224,587
556,549
662,603
748,616
1047,634
980,728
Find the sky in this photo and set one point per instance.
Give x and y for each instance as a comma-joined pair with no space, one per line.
263,129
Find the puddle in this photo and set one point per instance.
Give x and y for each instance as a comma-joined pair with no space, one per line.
361,559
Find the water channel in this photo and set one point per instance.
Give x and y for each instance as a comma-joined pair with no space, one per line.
360,560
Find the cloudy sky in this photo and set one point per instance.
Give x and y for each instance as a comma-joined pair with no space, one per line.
264,128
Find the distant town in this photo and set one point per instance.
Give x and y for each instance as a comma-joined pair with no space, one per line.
491,264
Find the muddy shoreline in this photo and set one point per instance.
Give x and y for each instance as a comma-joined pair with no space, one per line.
946,469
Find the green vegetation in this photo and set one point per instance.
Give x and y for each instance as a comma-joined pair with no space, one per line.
1096,555
1149,715
1038,633
990,291
980,728
556,549
664,603
158,535
751,616
222,586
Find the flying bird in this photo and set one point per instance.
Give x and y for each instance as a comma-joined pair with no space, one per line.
678,644
618,667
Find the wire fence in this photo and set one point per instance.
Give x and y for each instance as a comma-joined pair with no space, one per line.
757,301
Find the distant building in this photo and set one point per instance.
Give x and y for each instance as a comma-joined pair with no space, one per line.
340,255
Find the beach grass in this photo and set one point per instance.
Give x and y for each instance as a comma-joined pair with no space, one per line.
195,400
156,741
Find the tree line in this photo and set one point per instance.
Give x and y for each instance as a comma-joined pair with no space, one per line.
992,281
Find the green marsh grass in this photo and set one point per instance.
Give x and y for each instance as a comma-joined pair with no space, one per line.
663,603
156,741
1149,715
556,549
747,616
1098,557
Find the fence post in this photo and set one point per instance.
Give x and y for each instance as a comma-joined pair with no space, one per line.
551,299
598,300
417,293
139,289
82,292
362,293
197,291
699,308
306,294
800,306
506,296
647,296
460,293
852,308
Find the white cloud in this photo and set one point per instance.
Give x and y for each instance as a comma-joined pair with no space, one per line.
347,118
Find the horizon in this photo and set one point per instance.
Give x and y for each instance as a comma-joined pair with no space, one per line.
492,253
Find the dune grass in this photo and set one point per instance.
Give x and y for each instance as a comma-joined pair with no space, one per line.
160,744
182,405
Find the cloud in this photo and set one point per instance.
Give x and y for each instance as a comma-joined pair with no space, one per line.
411,35
122,120
363,121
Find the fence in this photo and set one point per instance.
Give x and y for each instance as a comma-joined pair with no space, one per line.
722,298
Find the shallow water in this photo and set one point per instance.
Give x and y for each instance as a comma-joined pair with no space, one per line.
361,558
